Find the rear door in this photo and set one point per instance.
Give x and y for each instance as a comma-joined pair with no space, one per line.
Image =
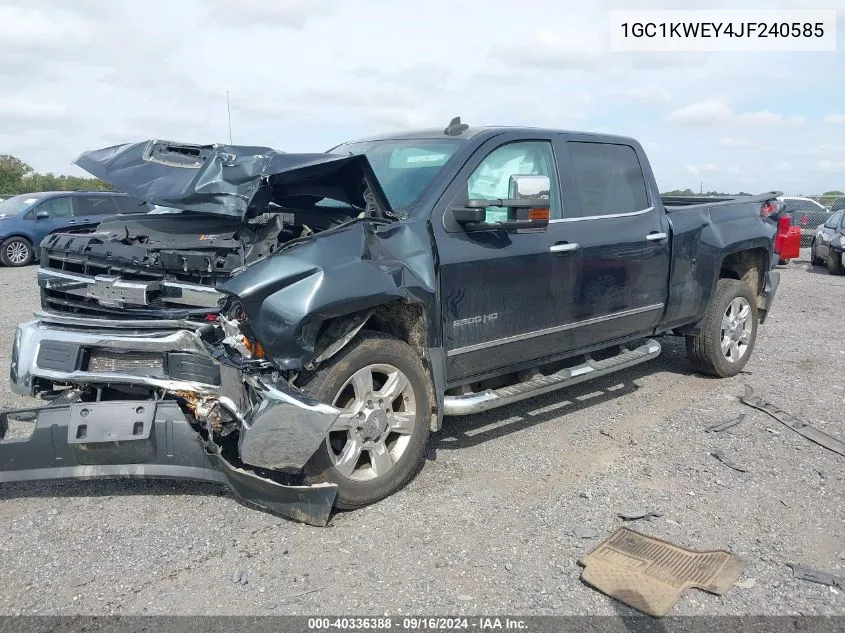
621,234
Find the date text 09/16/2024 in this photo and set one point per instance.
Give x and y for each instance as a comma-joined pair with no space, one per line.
418,623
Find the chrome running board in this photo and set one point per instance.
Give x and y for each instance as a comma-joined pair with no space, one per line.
466,404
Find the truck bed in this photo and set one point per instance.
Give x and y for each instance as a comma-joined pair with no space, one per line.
674,203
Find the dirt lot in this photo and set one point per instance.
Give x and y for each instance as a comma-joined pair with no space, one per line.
487,526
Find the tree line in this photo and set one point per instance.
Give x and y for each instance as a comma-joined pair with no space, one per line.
18,177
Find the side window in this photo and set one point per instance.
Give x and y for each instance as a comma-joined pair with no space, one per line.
833,222
94,205
57,207
125,204
491,179
610,178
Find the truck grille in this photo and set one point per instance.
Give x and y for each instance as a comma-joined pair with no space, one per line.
92,288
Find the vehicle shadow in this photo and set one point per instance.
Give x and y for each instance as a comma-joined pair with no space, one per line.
466,431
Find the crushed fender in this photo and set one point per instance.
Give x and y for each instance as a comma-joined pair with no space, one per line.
799,426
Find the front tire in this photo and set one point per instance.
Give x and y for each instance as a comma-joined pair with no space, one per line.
728,331
381,449
16,251
834,262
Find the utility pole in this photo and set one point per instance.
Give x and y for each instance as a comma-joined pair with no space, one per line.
229,112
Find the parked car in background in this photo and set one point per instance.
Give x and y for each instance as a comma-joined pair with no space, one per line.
27,219
829,243
806,214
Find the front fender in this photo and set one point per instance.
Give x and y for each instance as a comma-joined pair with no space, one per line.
289,296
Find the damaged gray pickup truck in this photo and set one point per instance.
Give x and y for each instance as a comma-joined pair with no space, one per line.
299,323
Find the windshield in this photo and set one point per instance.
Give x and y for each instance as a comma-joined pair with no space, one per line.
404,168
17,204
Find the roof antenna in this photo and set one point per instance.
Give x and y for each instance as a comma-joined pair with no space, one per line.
455,127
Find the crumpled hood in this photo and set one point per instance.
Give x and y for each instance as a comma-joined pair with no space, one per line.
234,180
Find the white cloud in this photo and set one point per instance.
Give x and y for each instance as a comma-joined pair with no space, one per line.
703,113
304,75
697,170
834,118
647,96
832,166
766,117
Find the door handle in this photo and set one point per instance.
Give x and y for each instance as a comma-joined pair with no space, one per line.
563,247
656,237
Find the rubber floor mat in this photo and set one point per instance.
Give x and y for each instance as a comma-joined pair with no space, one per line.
650,575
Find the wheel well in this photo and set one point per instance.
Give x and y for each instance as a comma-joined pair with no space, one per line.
20,236
405,321
747,266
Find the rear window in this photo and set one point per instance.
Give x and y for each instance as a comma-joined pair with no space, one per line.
125,204
94,205
609,177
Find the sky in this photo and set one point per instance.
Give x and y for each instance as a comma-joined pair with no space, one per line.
304,75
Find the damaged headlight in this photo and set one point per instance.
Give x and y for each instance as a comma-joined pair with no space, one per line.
237,334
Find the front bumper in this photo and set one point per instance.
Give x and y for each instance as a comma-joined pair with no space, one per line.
279,429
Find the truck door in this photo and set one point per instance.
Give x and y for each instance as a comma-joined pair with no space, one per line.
621,234
503,294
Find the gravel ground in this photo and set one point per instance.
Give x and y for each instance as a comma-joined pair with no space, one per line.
488,524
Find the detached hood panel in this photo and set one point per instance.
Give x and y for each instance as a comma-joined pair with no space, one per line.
234,180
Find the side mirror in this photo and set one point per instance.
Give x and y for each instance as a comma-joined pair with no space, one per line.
527,207
41,215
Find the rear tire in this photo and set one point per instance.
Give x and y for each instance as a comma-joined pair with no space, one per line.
834,262
16,251
728,331
384,380
784,262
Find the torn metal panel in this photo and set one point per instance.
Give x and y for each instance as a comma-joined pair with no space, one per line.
724,426
234,180
280,431
799,426
820,577
339,333
288,297
727,462
166,449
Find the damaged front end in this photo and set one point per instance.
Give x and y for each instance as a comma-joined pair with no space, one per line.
162,399
169,345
